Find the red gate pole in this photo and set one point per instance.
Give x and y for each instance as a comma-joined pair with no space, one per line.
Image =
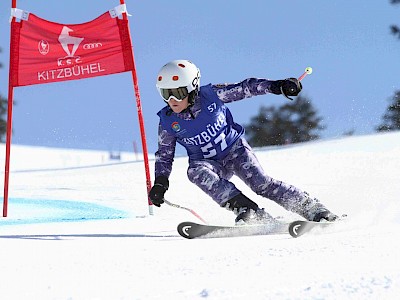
9,123
141,122
8,149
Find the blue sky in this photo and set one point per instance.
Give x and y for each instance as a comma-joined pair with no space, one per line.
347,43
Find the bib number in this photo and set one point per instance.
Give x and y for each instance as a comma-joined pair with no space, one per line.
210,149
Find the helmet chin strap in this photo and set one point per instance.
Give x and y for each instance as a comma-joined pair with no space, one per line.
192,99
192,96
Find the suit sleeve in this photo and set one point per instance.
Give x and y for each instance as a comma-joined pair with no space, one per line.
165,153
231,92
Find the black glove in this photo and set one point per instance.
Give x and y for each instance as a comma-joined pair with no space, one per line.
287,87
290,87
158,190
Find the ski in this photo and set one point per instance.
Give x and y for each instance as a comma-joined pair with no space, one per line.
191,230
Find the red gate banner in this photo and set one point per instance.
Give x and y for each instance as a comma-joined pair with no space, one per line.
44,52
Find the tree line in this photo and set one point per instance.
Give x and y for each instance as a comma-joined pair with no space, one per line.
298,121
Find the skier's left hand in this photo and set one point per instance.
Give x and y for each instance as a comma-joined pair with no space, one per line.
158,190
291,87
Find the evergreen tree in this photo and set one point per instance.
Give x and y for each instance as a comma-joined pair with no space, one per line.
294,122
391,119
394,28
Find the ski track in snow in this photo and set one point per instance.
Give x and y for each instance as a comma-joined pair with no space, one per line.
76,232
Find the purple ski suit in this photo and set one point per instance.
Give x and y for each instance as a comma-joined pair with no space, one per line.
216,145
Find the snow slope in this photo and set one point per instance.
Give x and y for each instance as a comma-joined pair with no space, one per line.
84,233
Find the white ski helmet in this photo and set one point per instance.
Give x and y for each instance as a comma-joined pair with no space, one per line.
177,79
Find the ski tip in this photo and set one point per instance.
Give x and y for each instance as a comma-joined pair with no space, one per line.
296,228
184,229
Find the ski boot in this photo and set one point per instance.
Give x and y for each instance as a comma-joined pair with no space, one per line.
312,210
247,212
253,217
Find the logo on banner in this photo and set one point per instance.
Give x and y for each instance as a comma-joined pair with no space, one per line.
44,47
92,46
66,40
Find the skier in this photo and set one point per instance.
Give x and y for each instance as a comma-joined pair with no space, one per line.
198,119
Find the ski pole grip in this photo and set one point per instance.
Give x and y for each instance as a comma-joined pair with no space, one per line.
308,71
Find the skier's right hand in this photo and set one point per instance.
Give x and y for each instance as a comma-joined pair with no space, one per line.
291,87
158,190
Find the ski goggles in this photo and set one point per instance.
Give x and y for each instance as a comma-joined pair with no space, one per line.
179,94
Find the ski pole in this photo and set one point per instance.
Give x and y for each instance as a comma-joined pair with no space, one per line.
188,209
306,72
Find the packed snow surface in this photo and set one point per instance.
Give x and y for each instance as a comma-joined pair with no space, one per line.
78,227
